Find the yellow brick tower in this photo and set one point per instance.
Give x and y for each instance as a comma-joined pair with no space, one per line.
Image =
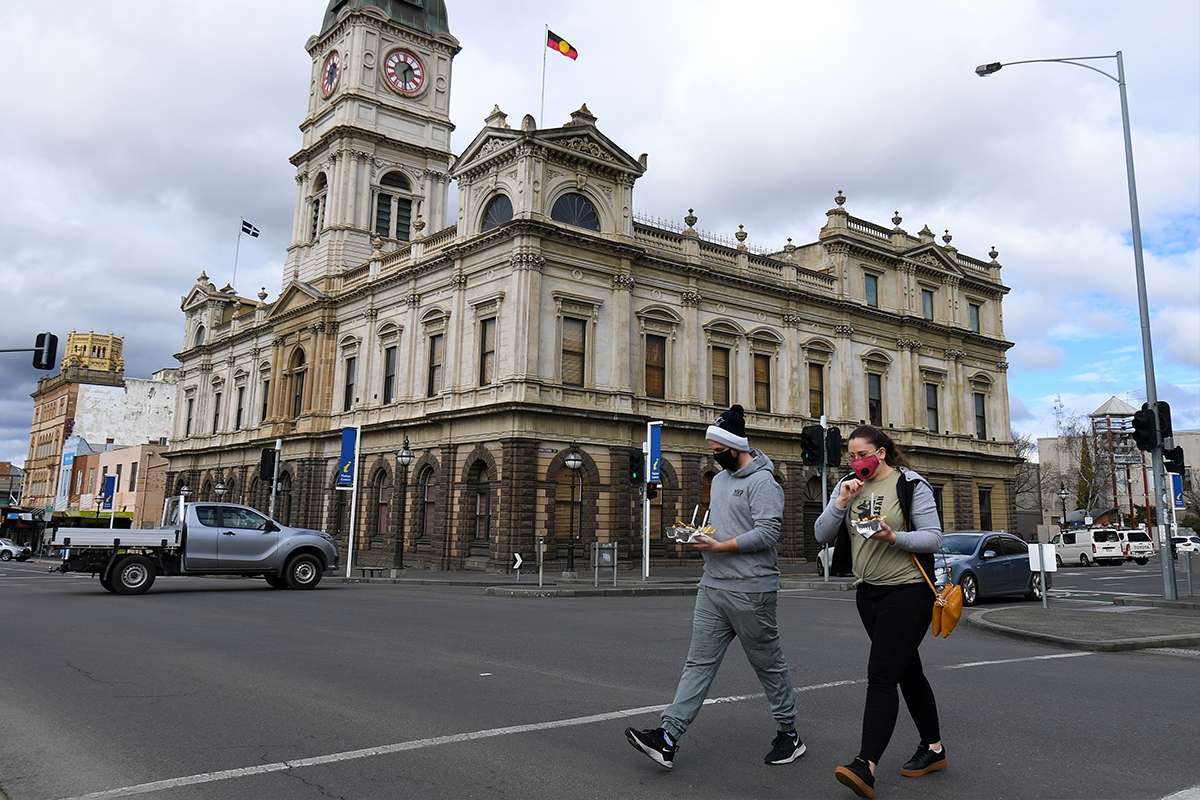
100,352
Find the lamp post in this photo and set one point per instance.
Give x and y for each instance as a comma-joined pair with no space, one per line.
573,462
1062,496
404,459
983,70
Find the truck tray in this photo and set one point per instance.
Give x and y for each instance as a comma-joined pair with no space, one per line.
109,537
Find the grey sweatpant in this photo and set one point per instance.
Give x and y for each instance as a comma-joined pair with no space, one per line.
719,616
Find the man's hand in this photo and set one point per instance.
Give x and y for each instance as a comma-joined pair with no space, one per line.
850,489
707,544
886,534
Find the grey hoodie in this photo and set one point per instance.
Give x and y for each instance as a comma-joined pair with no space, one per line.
746,505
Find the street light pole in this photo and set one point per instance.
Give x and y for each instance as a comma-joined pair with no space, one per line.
1062,495
574,462
1168,568
405,459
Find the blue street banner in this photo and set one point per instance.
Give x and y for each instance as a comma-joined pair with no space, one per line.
346,466
654,434
110,489
1177,491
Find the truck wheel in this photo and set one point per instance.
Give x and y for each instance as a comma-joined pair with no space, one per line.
276,581
303,572
132,575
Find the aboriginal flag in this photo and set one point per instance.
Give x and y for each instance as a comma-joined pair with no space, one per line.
556,42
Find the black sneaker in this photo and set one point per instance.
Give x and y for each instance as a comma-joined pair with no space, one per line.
924,761
652,742
857,776
786,748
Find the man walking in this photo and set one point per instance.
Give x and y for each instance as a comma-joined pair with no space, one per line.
736,596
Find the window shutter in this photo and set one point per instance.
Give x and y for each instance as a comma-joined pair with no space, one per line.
762,382
383,214
573,340
656,366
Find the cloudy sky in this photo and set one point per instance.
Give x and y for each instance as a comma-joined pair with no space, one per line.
140,133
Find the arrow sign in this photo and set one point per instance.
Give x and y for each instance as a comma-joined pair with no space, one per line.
517,561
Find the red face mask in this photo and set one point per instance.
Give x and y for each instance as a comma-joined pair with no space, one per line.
865,468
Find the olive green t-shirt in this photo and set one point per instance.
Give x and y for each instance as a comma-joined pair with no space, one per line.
876,561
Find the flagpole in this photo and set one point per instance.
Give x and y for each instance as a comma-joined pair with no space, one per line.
237,251
545,47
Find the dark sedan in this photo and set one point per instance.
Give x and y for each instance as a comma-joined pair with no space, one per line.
987,564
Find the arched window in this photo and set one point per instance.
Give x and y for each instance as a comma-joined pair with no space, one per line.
296,373
575,209
317,207
428,501
482,491
499,210
393,206
382,492
199,338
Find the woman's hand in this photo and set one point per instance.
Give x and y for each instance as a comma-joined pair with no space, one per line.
886,534
850,489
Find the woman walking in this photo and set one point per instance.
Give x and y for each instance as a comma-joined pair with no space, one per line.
880,517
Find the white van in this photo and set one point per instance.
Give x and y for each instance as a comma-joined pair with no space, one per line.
1137,545
1088,546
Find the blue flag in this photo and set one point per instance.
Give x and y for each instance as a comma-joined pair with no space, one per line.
346,465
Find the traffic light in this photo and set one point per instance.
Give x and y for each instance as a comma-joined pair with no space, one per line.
811,441
266,464
651,490
1173,460
45,348
636,465
1143,429
1164,419
833,447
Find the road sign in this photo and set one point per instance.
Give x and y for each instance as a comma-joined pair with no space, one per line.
110,489
654,436
1047,551
347,469
1177,490
517,561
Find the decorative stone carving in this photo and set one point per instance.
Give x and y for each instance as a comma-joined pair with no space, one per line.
908,344
690,297
955,355
371,314
412,300
1002,366
837,248
491,146
279,341
843,330
789,250
953,280
586,146
623,281
526,259
458,281
792,320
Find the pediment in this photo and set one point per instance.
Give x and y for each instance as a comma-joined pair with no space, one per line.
196,297
576,140
930,255
487,143
296,295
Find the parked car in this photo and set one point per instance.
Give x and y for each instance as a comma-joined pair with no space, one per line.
1186,544
11,551
987,564
1087,546
1136,545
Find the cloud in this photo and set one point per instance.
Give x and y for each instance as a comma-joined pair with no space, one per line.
1176,330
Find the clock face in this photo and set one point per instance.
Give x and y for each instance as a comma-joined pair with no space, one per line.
404,71
330,72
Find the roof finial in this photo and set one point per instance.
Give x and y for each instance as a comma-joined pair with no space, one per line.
789,249
993,252
262,294
741,237
691,219
840,199
896,218
946,237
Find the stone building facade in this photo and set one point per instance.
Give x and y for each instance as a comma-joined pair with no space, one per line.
548,314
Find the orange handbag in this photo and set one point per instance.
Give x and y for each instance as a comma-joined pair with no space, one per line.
947,605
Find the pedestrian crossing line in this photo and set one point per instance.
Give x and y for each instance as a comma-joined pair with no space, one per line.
436,741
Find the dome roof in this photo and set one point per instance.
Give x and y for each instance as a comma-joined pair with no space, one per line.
428,16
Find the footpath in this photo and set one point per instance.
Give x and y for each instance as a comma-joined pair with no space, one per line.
1127,624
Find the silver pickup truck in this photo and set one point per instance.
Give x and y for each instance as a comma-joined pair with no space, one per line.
199,539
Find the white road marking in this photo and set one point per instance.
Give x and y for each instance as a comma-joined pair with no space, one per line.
1187,794
1115,609
484,674
421,744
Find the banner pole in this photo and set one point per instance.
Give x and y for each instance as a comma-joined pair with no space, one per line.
353,533
237,251
545,47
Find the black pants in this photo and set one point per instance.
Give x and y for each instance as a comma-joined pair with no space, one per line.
896,619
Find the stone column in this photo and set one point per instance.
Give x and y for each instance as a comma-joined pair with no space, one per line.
693,349
622,379
999,417
841,376
792,367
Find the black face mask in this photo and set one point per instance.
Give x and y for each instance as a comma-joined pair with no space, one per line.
728,459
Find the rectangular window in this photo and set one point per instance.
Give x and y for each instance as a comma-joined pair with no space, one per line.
315,228
389,375
266,393
875,399
974,313
298,392
656,366
133,477
985,509
187,424
762,382
216,412
980,416
437,352
871,285
927,303
348,388
241,404
487,352
931,407
816,390
383,215
720,376
574,333
117,483
403,218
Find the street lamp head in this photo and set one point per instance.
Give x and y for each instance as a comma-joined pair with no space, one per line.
185,491
573,461
219,489
405,457
1063,493
983,70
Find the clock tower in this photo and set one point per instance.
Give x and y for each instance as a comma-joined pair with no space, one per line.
375,154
